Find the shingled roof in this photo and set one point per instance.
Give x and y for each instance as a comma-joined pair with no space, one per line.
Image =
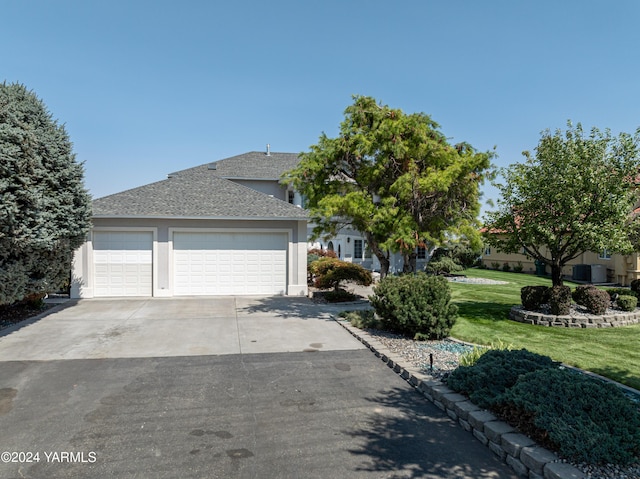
198,192
254,165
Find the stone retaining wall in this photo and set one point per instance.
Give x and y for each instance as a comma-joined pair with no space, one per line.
611,320
525,457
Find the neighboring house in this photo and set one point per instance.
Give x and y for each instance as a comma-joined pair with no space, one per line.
225,228
602,267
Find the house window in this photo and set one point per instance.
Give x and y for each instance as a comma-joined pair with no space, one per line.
421,252
367,251
487,251
357,249
604,254
291,196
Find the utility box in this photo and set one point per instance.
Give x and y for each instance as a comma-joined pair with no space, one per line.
598,273
582,272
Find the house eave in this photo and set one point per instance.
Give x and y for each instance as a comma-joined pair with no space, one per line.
248,178
187,217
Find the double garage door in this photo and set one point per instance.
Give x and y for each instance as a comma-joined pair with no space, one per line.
229,263
202,263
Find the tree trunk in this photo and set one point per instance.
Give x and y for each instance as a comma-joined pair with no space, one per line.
383,256
409,260
556,275
385,264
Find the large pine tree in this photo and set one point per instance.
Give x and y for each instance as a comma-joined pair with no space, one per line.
45,210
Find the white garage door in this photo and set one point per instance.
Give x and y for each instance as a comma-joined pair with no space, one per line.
229,263
123,263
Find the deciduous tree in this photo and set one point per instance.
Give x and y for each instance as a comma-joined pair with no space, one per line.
575,194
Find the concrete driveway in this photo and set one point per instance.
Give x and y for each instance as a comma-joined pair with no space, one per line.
144,328
215,388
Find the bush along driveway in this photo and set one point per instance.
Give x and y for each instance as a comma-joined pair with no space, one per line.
526,457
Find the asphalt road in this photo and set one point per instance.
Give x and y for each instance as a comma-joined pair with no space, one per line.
312,413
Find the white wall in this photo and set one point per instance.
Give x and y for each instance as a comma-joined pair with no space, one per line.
82,271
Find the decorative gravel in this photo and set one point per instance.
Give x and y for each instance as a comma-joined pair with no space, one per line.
446,356
445,353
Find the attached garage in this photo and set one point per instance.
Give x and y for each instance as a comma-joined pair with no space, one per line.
193,234
228,263
123,263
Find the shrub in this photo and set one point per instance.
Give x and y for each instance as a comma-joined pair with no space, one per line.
635,286
363,318
596,300
415,305
330,272
495,265
322,253
495,371
339,296
627,303
587,420
533,297
560,300
518,267
579,294
620,292
506,267
315,254
443,265
465,256
460,253
471,358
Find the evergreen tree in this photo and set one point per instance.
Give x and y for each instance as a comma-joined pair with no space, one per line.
395,178
45,210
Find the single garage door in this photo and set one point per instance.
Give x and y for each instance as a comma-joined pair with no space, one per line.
229,263
123,263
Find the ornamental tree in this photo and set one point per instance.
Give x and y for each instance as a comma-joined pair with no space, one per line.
393,177
330,272
576,194
44,208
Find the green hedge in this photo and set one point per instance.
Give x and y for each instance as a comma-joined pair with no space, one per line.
620,292
494,373
582,418
627,303
587,420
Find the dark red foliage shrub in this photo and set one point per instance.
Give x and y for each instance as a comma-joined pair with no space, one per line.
534,296
560,300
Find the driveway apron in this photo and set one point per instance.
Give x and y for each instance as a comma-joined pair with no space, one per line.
215,387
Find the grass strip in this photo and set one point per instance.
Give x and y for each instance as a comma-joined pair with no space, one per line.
483,318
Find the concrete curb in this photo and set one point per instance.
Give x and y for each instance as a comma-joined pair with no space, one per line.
524,456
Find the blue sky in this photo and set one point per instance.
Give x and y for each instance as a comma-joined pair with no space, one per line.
150,87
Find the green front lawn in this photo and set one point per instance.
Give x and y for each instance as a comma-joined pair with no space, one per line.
484,319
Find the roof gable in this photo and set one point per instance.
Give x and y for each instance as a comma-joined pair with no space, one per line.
199,193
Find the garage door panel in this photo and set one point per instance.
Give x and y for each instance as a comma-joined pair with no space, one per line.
123,263
229,263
